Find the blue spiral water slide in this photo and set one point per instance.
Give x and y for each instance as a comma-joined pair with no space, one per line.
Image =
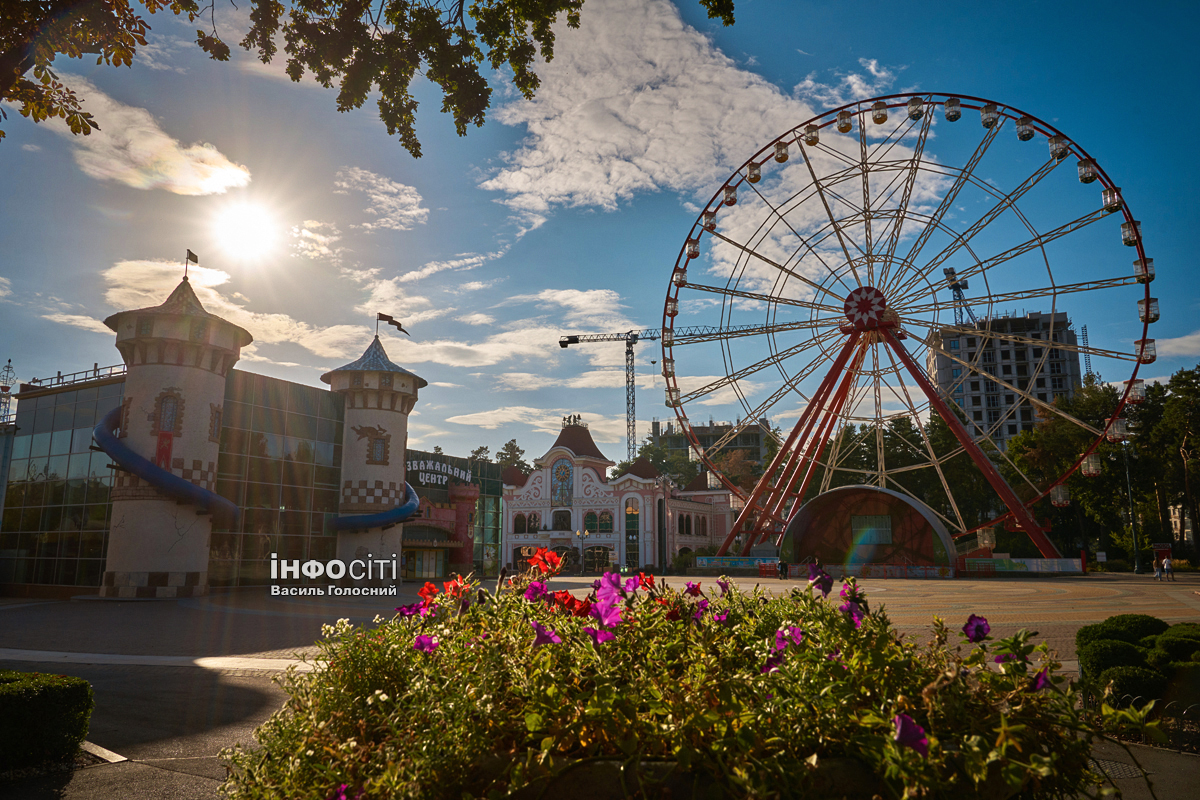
222,509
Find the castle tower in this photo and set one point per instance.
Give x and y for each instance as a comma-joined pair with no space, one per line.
378,398
176,356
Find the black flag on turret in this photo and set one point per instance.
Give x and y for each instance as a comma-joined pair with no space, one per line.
192,257
392,321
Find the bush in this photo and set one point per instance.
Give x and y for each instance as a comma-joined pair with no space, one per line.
1158,659
1133,684
1184,630
1147,642
43,718
1183,683
1090,633
1097,657
1132,627
1114,565
745,692
1178,647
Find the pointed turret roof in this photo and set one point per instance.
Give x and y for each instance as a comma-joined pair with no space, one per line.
642,468
576,437
513,476
182,303
375,359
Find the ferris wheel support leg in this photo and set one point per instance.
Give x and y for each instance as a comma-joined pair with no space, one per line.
817,447
1019,511
786,450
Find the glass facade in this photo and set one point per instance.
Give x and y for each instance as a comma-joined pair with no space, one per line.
280,462
281,455
54,529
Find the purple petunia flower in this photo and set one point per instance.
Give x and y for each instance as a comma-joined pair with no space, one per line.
854,612
976,629
910,734
429,610
610,589
1041,680
773,662
834,655
410,610
631,586
701,608
340,794
724,586
819,579
544,635
599,637
1004,658
788,634
608,612
535,591
596,585
425,644
693,589
721,617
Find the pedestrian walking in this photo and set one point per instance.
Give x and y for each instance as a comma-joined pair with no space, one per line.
1168,570
1157,570
783,569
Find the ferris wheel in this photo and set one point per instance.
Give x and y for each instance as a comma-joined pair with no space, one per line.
896,259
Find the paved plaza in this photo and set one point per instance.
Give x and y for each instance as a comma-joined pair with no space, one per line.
177,680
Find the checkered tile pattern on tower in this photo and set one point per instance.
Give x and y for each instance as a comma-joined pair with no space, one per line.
377,495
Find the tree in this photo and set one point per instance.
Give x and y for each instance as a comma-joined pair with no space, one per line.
674,465
510,455
437,449
481,453
362,46
739,468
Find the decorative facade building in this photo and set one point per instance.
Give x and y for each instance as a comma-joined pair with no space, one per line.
636,520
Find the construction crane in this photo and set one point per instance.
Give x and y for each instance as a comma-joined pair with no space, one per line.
630,338
960,302
675,336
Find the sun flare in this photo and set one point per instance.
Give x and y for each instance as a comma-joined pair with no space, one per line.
246,231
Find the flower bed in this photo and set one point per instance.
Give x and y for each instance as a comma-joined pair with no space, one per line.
523,691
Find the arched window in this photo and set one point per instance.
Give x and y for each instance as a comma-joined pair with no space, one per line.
590,522
535,523
687,524
562,520
562,481
519,524
704,526
606,522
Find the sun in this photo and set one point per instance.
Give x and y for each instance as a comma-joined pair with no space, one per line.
246,231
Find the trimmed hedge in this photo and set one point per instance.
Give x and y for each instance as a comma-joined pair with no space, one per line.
1098,657
1133,683
1131,628
1179,648
43,718
1183,683
1184,630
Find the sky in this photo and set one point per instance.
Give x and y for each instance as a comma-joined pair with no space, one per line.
567,213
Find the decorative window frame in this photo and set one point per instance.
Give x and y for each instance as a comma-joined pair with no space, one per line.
155,417
215,421
534,522
385,442
523,527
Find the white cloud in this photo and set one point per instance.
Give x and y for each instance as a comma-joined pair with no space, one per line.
521,381
543,420
315,239
79,321
446,385
464,262
635,101
475,286
1188,345
849,87
139,284
394,206
132,149
5,287
158,52
477,319
540,342
595,309
250,353
32,148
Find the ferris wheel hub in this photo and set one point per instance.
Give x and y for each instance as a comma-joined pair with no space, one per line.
865,307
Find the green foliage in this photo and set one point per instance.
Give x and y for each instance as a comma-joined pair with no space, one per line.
1179,648
1132,627
487,713
481,453
1088,634
674,465
365,49
1104,654
43,718
511,455
1185,630
1132,684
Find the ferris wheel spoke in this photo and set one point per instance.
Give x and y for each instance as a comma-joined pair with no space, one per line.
765,298
752,252
1009,201
1036,242
829,212
880,456
739,331
1010,387
902,210
1025,340
866,200
762,364
948,199
1002,298
929,449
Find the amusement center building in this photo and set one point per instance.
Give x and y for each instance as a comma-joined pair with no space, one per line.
174,472
636,520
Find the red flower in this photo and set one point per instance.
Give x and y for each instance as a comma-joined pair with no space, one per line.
453,588
645,581
545,560
583,608
563,598
428,592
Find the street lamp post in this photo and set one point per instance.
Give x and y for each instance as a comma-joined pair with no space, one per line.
1137,551
582,537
